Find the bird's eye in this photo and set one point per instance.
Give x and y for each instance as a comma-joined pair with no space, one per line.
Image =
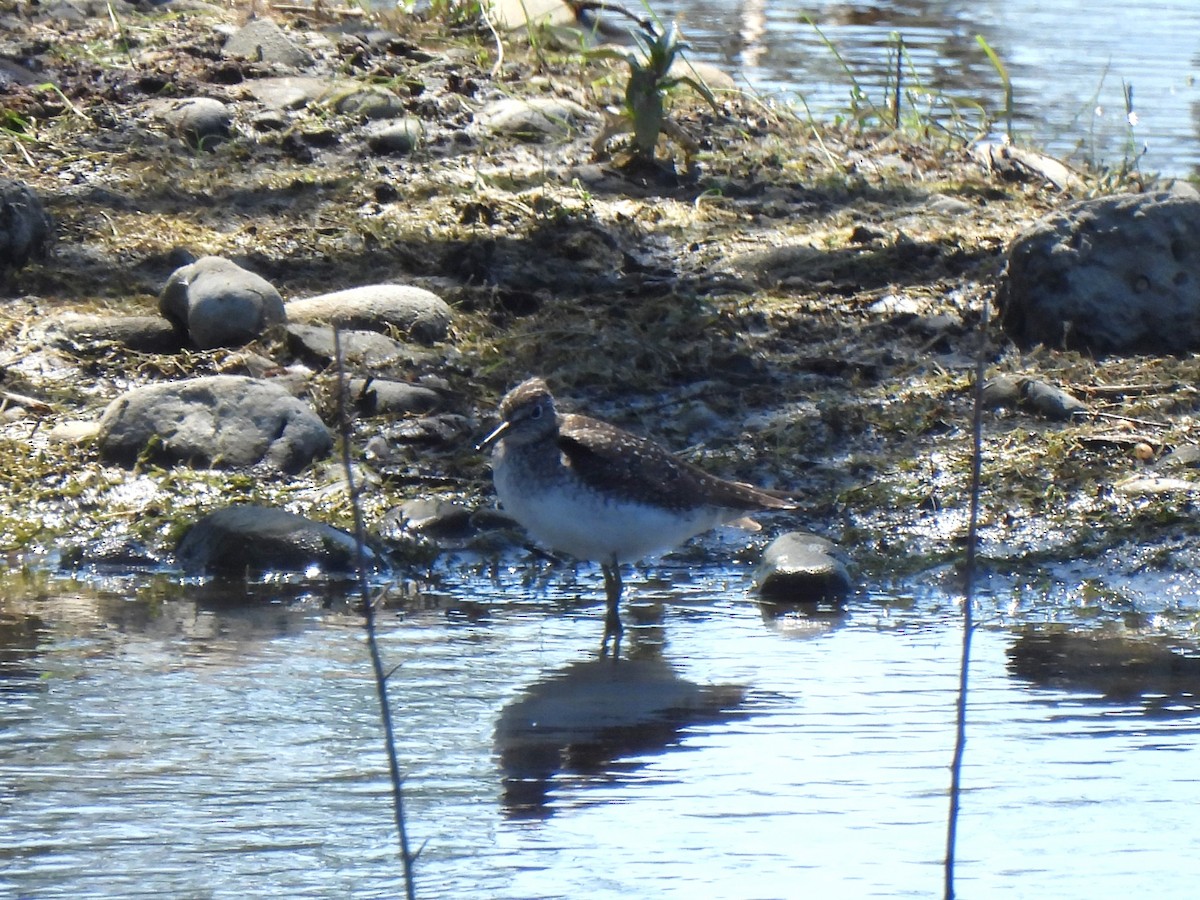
536,412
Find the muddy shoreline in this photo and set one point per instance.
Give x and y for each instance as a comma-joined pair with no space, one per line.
797,304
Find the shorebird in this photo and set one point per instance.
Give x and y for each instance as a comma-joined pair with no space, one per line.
596,492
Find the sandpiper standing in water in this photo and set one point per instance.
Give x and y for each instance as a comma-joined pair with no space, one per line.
589,489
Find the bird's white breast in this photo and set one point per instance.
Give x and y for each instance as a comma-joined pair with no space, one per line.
566,516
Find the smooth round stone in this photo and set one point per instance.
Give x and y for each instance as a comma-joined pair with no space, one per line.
800,568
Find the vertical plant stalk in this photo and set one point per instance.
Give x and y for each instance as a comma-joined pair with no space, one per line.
856,89
994,59
368,610
960,731
899,77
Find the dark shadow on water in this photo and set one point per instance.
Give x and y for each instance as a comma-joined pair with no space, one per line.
582,719
1163,673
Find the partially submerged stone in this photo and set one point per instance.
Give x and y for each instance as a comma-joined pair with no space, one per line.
252,540
217,303
226,421
800,568
1116,274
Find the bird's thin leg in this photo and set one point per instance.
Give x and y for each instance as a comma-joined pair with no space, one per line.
612,615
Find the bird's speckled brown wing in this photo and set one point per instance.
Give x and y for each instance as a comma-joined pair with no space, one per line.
613,460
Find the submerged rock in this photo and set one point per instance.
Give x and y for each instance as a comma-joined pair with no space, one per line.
1118,666
1115,274
251,540
227,421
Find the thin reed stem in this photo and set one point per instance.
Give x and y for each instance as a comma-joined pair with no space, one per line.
960,733
368,609
899,77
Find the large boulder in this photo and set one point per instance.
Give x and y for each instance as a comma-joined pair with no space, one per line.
1116,274
225,421
251,540
217,303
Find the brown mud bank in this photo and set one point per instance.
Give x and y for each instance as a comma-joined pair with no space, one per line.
792,303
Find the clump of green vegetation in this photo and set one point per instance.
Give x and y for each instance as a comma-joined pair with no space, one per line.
651,79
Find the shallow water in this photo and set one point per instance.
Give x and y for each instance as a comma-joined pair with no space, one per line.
1067,62
167,746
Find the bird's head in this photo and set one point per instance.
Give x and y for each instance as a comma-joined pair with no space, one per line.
527,414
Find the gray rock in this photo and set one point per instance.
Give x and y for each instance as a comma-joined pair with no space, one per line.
201,121
288,92
1112,275
368,102
1003,390
251,540
392,398
227,421
800,568
536,119
447,525
217,303
446,429
261,40
145,334
25,227
1050,401
314,344
399,136
1186,456
416,313
1035,396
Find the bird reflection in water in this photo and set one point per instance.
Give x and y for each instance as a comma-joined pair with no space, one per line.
582,719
